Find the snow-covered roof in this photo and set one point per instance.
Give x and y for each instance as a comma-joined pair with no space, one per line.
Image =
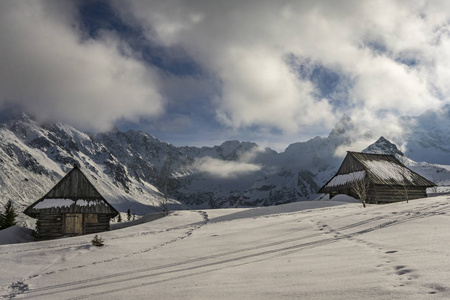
61,203
387,170
54,203
380,169
343,179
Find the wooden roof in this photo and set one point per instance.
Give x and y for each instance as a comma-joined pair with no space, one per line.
74,193
378,169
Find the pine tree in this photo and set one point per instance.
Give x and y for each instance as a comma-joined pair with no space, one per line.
2,221
119,219
8,218
128,215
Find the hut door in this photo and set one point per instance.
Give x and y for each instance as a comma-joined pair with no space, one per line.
74,224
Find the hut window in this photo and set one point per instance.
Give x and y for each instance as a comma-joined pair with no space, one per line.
91,218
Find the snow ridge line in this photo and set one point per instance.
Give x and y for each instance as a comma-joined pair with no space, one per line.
274,215
16,291
284,251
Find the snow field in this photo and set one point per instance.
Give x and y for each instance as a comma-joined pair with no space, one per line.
395,251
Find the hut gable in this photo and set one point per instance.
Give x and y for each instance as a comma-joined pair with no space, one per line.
73,206
74,185
387,178
74,193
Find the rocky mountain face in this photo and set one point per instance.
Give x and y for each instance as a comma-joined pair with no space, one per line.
123,166
383,146
128,167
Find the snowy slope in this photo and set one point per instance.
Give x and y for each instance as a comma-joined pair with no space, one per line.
284,252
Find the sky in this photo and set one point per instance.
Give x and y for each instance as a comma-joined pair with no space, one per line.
202,72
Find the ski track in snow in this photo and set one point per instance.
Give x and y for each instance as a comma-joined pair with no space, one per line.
20,287
83,243
238,257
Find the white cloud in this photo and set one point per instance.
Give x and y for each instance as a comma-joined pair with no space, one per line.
272,95
224,169
51,71
244,44
394,54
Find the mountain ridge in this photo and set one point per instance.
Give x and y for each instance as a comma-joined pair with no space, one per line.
127,165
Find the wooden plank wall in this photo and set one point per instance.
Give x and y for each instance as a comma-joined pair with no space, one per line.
74,185
350,165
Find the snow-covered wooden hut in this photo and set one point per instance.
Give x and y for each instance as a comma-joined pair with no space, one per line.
385,179
72,207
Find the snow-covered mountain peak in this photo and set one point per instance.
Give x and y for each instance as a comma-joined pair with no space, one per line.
383,146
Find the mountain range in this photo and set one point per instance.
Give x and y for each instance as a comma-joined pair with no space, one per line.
133,169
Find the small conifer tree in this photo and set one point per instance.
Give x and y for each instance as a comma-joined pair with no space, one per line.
97,241
2,220
128,215
119,219
8,217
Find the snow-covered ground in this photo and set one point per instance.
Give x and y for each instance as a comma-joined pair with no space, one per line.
296,251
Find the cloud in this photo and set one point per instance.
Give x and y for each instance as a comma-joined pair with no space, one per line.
391,57
53,71
224,169
263,64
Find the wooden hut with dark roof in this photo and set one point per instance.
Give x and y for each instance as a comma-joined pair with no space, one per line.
385,178
72,207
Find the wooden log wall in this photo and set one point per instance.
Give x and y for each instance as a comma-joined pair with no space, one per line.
389,194
101,225
50,225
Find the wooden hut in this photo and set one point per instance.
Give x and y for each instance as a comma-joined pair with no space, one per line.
72,207
383,178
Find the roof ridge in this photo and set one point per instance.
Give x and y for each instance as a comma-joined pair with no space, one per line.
370,154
